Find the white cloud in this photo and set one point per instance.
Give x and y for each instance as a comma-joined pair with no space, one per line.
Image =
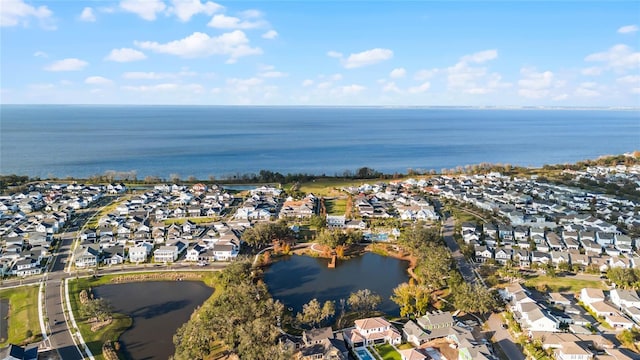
70,64
424,74
334,54
238,85
251,14
628,29
139,75
352,89
307,83
16,12
146,9
125,55
185,9
166,87
629,79
234,44
273,74
398,73
42,86
324,85
419,89
618,58
222,21
41,54
591,71
87,15
560,97
391,87
97,80
587,89
367,57
480,57
535,85
335,77
270,35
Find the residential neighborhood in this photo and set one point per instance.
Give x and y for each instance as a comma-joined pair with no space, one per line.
526,224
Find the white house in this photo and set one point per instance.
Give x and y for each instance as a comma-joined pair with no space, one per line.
572,351
166,254
591,295
625,298
139,253
372,331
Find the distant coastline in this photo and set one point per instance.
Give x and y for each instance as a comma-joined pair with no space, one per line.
63,141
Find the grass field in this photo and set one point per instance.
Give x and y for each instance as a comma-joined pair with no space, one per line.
561,284
329,187
336,206
23,314
387,352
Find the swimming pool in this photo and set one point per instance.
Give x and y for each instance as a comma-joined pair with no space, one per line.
363,354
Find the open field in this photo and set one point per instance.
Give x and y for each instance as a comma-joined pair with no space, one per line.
329,187
563,284
336,206
23,314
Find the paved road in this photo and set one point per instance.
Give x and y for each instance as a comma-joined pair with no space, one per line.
59,335
465,268
502,337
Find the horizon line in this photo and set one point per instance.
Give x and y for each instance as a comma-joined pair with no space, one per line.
474,107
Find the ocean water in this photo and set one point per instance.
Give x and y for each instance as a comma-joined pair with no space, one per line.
202,141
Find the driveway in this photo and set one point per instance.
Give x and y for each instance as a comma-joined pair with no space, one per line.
503,338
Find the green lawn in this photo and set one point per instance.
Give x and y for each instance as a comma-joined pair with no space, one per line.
387,352
559,284
329,187
23,314
336,206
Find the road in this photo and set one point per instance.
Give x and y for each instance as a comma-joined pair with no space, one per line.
59,336
465,268
502,337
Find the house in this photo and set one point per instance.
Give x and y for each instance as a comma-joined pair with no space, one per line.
372,331
113,255
335,221
167,253
224,251
483,254
625,298
537,320
560,299
436,320
617,321
600,308
572,351
503,255
17,352
87,255
412,354
521,257
414,334
139,253
591,295
322,344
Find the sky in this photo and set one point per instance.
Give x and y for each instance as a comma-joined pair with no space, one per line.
346,53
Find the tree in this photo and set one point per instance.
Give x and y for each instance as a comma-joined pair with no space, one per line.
99,309
318,222
364,301
311,313
474,298
412,299
266,233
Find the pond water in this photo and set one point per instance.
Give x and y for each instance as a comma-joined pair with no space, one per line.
296,280
158,309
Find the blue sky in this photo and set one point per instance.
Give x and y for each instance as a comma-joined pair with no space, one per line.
426,53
